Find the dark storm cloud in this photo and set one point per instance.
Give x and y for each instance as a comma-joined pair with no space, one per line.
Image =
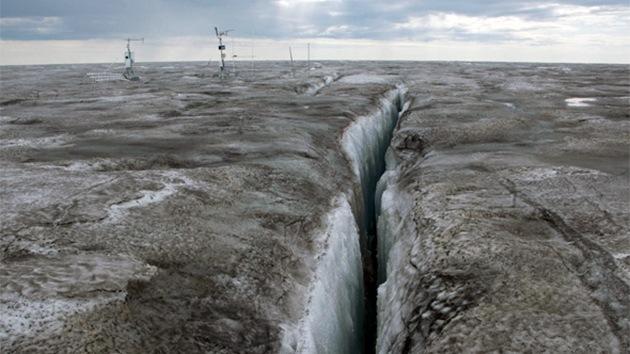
114,18
85,19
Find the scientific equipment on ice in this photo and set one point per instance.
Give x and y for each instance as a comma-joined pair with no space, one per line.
291,58
104,76
129,74
220,35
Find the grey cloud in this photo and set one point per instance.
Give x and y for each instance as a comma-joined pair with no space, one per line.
371,19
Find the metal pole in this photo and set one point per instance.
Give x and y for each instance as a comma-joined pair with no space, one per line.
291,56
129,74
222,50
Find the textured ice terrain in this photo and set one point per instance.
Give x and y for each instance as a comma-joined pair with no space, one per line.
505,227
227,190
183,213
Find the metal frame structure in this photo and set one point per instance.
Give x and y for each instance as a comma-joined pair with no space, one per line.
129,74
220,35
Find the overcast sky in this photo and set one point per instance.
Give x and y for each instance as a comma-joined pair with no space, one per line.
46,31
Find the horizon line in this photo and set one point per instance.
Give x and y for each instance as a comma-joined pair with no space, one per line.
336,60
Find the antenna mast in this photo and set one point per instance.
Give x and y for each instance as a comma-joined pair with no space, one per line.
129,74
220,35
291,56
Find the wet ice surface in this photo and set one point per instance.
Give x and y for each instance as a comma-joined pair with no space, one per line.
186,213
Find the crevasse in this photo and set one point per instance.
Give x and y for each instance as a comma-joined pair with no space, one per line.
395,230
341,307
365,142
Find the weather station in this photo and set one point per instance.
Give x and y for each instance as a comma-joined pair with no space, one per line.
222,48
129,73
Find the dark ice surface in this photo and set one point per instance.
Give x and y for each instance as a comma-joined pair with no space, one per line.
506,213
180,213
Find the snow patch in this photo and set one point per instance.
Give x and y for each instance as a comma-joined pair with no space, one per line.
579,102
173,181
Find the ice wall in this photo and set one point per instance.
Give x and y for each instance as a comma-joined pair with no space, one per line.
394,230
395,236
392,207
365,143
333,320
